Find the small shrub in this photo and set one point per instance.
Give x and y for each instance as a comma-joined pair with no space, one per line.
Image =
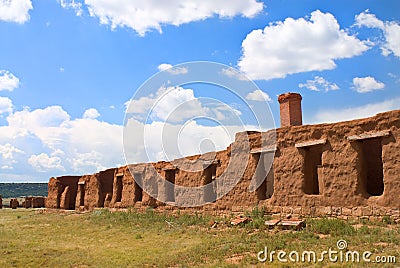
334,227
257,218
257,223
138,236
364,230
387,220
258,212
150,211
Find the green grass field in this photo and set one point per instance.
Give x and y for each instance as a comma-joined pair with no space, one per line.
103,239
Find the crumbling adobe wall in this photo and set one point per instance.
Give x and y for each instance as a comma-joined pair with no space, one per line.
14,203
62,192
95,191
27,203
341,171
87,192
105,179
191,172
34,202
38,202
128,189
332,157
100,189
69,189
54,191
243,194
133,193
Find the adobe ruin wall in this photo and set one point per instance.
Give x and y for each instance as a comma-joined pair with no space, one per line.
34,202
344,169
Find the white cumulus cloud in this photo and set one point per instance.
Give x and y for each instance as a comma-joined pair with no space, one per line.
8,155
15,10
319,83
52,116
233,73
366,84
172,70
174,104
297,45
91,113
71,4
54,144
7,151
6,105
368,20
43,162
8,81
169,103
368,110
164,141
143,16
258,95
391,31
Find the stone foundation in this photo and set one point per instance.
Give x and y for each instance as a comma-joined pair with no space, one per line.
367,212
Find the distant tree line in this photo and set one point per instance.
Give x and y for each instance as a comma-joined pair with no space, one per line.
8,190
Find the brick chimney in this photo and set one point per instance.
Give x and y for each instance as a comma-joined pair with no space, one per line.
290,107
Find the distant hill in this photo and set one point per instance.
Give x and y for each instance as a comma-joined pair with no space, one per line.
8,190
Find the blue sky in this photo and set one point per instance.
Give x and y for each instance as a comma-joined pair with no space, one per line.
68,69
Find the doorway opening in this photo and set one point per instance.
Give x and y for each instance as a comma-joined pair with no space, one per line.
119,188
210,175
263,177
138,190
82,194
312,161
170,187
372,166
